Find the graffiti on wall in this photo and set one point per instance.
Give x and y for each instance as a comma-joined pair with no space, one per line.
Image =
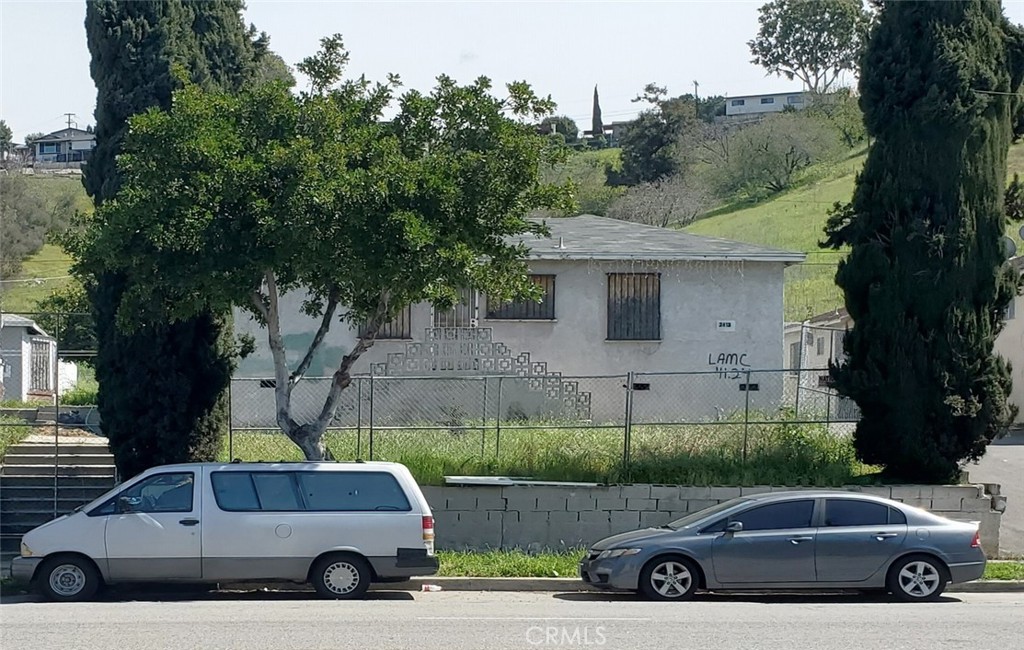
729,365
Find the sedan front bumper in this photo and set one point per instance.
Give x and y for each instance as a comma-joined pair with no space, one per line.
24,568
620,574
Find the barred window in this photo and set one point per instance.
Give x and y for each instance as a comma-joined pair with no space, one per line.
527,309
634,306
398,328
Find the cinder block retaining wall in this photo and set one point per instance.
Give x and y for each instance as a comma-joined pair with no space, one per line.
549,517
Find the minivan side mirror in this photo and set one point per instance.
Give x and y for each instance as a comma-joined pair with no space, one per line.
125,504
734,527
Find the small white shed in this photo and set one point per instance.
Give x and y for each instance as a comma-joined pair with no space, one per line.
28,361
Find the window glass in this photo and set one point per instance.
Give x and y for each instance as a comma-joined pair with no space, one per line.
352,491
852,512
777,516
896,516
276,491
161,493
234,491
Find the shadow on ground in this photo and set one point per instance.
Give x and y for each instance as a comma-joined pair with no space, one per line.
766,598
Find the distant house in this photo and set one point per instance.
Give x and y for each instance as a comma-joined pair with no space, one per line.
746,105
64,146
612,132
29,365
620,297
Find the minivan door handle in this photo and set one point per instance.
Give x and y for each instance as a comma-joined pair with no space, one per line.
188,522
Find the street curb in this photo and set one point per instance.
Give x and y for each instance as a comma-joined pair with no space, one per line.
564,584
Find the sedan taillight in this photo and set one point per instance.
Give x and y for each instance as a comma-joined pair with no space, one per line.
976,542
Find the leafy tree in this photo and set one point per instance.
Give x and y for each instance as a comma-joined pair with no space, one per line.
650,143
6,138
233,199
33,136
162,388
596,124
561,124
813,41
24,223
926,281
674,202
768,156
842,111
66,313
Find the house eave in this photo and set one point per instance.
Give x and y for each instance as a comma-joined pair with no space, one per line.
780,258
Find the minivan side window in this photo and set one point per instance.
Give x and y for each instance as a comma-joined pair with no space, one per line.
171,492
255,491
352,492
777,516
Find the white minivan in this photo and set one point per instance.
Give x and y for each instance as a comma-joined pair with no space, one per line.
337,525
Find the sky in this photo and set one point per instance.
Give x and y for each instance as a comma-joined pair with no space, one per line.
562,49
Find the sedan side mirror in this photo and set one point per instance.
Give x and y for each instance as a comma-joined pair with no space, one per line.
734,527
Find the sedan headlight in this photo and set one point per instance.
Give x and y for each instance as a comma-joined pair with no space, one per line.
25,550
618,552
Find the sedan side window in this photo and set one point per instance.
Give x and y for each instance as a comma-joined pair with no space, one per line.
777,516
853,512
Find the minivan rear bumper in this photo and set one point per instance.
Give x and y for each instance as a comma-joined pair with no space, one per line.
408,563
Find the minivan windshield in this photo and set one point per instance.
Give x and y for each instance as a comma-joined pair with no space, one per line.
700,515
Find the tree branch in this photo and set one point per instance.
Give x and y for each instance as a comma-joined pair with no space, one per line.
282,390
321,332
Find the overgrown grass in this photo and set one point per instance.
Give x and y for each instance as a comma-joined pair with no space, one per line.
12,431
1004,571
509,564
708,454
85,391
795,220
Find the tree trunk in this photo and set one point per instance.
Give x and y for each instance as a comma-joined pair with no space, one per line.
310,440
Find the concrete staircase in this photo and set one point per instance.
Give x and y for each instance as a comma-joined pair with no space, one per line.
40,481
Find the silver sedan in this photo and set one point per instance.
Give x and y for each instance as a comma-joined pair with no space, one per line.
792,540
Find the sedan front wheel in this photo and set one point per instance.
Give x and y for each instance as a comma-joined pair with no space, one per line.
669,578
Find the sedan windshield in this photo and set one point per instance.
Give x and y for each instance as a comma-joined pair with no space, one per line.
700,515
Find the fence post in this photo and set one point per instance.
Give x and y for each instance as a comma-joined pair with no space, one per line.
371,413
56,418
359,416
231,422
483,424
497,426
628,432
746,416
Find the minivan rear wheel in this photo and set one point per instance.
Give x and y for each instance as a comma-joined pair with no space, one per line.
68,578
342,577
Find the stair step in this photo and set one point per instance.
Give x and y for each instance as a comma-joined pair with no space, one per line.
48,448
64,470
62,460
62,482
21,493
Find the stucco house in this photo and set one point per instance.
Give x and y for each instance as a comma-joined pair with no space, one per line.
28,361
746,105
64,146
620,297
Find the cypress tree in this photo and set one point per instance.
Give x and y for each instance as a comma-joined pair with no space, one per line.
163,390
596,124
926,281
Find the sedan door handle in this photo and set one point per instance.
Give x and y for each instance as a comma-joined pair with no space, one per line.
881,536
188,522
797,540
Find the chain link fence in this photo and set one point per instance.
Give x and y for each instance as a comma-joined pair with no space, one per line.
485,418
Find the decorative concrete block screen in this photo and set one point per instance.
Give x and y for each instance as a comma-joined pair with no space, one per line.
554,517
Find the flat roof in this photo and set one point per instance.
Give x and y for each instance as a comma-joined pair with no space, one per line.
589,237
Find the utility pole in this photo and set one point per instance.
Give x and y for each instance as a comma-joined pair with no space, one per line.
69,116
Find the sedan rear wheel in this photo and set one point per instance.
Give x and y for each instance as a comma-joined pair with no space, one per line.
669,578
917,578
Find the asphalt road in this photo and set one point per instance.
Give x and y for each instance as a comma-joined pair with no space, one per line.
505,621
1003,463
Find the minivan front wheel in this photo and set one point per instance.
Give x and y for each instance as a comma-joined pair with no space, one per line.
68,578
341,576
